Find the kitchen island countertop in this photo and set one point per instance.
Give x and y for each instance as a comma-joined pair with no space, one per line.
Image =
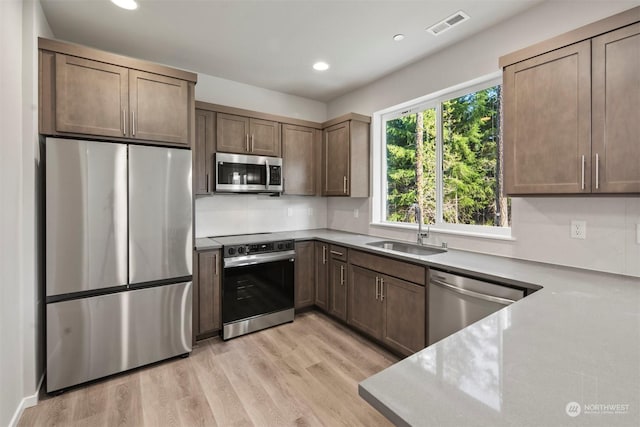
568,353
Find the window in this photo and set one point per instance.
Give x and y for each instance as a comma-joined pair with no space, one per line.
444,155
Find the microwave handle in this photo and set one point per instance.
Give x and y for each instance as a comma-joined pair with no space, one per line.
266,163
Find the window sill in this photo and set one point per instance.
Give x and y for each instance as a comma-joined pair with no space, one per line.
443,230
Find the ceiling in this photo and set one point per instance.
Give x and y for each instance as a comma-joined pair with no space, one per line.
273,43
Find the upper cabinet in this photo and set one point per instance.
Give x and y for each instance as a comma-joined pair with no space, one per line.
86,92
300,149
571,108
616,111
246,135
345,157
203,152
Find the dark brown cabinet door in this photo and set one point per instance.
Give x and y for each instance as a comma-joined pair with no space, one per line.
547,123
264,138
203,152
298,155
616,111
335,160
159,107
364,305
208,287
322,276
305,281
338,289
232,133
91,97
403,315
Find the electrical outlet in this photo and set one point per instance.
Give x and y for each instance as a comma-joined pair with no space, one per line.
578,229
356,213
289,211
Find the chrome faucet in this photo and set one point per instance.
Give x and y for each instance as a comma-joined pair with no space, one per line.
421,234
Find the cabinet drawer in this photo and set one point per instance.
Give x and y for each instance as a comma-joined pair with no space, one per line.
338,252
400,269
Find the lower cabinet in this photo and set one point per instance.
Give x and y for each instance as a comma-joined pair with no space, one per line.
389,309
322,276
365,307
305,280
338,289
207,309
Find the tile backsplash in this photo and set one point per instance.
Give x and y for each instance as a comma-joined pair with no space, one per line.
221,215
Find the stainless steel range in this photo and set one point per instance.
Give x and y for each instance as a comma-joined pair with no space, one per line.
257,284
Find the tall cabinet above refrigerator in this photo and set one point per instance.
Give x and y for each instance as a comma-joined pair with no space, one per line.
118,258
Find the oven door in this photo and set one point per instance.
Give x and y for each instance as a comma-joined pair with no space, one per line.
257,292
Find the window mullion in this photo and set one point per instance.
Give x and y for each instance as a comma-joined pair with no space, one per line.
439,165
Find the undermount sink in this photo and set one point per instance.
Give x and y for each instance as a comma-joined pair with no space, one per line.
407,248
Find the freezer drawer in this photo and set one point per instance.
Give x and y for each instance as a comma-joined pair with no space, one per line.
94,337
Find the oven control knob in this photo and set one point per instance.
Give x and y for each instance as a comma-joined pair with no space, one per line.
289,245
231,251
280,246
241,250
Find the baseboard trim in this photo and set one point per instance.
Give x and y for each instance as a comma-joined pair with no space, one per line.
26,402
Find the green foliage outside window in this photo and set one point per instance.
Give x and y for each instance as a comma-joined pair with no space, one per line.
471,177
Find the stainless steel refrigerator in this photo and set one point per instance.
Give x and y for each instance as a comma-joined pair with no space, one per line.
118,258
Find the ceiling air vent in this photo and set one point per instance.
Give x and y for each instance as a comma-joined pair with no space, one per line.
448,23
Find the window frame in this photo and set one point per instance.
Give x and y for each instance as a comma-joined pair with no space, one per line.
379,159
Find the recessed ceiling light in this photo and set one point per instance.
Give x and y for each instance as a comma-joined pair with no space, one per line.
398,37
321,66
126,4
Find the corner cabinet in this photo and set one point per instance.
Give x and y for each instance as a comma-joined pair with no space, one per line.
86,92
345,157
300,146
321,299
207,309
247,135
571,109
305,280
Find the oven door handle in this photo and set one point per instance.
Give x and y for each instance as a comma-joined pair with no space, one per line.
243,261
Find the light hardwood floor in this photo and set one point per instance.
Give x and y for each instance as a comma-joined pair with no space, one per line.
305,373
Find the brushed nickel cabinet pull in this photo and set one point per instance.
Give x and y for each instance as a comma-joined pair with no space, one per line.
133,123
583,171
597,171
381,289
124,122
377,286
344,184
337,253
252,143
246,138
342,275
324,254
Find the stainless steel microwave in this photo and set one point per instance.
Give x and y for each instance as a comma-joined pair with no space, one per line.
239,173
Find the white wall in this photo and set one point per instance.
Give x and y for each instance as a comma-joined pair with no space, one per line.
11,351
233,94
21,362
540,225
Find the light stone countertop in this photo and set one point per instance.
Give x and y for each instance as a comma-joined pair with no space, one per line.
577,339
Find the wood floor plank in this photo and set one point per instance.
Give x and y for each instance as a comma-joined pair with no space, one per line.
300,374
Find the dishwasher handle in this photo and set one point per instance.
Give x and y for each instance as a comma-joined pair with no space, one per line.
491,298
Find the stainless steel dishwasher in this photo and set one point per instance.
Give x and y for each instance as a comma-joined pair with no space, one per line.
457,301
